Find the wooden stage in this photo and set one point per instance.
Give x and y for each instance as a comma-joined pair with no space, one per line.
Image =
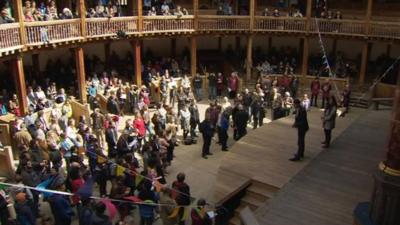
262,155
328,189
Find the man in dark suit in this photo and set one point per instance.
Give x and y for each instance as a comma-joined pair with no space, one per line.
240,122
112,139
301,124
113,105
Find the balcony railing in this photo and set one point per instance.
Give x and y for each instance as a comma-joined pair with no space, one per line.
38,33
52,31
281,24
154,24
9,36
103,27
343,27
224,23
385,29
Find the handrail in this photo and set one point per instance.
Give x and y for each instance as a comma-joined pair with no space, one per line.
9,36
282,24
340,27
224,23
96,27
168,17
155,24
50,22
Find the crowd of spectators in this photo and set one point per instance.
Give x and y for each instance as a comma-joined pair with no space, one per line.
164,8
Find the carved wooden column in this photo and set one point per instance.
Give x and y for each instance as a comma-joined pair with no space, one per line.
17,70
385,203
193,56
80,72
308,14
196,13
19,16
138,61
364,62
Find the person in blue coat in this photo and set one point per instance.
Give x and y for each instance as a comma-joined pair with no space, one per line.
60,206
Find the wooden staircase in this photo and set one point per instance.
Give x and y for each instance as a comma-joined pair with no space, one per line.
257,195
360,101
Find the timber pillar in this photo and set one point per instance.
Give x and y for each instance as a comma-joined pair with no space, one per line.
81,74
17,69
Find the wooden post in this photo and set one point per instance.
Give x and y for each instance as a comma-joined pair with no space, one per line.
138,61
196,13
140,15
36,64
173,47
80,72
17,69
368,16
364,62
19,15
304,67
249,60
193,56
308,14
252,14
82,15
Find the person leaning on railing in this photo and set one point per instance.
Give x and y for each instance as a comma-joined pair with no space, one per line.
5,18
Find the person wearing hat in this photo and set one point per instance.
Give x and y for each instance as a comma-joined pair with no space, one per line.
199,215
301,123
24,212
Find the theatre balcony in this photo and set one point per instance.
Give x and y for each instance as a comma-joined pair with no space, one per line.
26,36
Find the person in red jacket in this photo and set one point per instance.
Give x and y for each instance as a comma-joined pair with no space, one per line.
140,127
315,86
199,215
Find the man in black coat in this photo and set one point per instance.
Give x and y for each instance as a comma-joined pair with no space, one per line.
207,129
112,139
301,123
240,122
194,118
113,105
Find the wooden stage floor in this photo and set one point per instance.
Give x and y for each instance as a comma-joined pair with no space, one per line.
262,156
328,189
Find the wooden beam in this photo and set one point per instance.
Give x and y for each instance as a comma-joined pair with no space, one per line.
19,15
140,15
252,14
17,70
82,15
308,14
138,61
80,72
368,17
249,59
304,65
196,13
193,56
364,63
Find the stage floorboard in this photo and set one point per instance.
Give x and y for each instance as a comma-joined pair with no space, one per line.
262,155
328,189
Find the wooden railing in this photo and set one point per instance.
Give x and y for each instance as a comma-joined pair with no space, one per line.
9,36
224,23
52,31
167,23
96,27
282,24
343,27
38,33
385,29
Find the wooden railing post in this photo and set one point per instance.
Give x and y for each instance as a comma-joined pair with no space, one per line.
80,72
364,62
249,60
19,15
17,70
82,15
